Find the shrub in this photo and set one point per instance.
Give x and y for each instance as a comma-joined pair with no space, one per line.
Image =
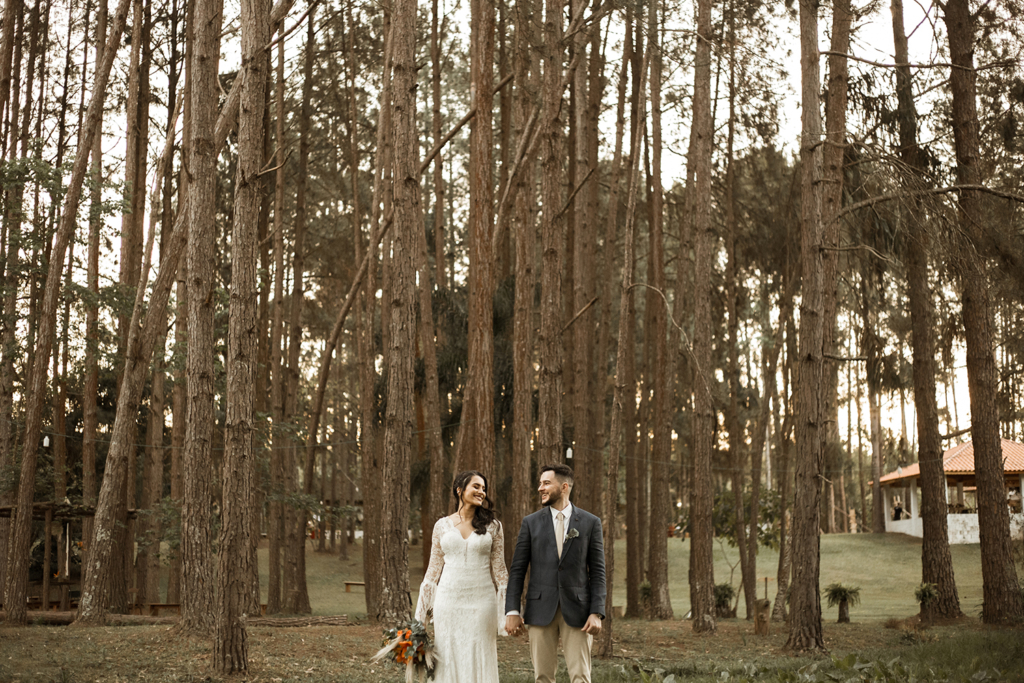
843,596
925,593
724,594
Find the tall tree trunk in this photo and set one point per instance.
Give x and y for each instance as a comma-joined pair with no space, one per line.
90,391
297,594
525,65
197,561
11,10
475,448
661,450
733,422
99,580
870,283
634,564
936,561
702,577
779,611
831,201
588,470
279,439
435,126
805,619
549,384
179,397
235,552
624,389
1003,601
141,27
608,254
16,587
372,464
400,312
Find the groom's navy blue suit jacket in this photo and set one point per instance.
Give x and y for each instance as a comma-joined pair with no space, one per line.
575,581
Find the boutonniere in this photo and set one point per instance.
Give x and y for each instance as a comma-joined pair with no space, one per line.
573,533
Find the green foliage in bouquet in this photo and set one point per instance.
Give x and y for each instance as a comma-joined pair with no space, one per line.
409,645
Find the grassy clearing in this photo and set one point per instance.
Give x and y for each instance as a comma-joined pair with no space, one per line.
886,567
961,653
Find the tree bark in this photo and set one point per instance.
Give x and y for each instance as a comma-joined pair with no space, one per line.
401,317
936,561
634,530
180,394
99,581
197,561
475,447
549,384
872,351
435,123
296,592
1003,601
805,618
780,611
831,202
733,422
279,439
372,464
702,578
624,388
588,470
526,66
661,445
21,527
235,553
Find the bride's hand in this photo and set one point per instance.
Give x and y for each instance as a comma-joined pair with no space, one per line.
514,625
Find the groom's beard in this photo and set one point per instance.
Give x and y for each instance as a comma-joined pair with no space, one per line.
551,500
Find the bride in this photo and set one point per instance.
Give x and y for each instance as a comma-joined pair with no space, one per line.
464,586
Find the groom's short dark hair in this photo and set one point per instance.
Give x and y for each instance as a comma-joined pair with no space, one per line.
562,472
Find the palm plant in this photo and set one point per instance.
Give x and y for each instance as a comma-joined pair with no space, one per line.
838,594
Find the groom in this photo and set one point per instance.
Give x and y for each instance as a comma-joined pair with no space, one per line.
564,550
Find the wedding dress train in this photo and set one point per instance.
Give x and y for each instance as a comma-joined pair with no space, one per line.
464,592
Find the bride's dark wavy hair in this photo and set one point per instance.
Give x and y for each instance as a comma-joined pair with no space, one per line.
484,514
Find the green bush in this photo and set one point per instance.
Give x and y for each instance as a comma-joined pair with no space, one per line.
925,593
724,594
836,594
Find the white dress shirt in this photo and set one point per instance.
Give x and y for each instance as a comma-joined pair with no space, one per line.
567,512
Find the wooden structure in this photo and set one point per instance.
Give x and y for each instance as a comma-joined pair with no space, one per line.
49,514
900,491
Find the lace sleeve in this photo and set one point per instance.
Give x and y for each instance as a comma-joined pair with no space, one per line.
428,589
499,574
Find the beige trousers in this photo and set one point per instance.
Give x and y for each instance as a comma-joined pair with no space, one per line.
575,646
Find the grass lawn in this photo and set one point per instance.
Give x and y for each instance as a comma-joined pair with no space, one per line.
881,644
886,567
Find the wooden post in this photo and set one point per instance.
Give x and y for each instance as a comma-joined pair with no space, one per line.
64,569
47,528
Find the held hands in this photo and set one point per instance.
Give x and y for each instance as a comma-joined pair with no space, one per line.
593,625
514,625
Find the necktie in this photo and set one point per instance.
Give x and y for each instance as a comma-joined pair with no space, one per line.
559,532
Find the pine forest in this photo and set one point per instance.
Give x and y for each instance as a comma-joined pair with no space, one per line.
278,271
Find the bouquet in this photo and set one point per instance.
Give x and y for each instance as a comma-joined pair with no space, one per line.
409,645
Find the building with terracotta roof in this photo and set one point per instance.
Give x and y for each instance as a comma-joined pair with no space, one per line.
902,496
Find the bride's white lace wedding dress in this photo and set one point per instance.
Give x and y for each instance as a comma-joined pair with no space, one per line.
464,589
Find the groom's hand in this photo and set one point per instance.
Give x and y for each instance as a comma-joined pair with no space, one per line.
593,625
514,625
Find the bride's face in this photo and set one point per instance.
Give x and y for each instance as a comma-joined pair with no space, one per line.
474,493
